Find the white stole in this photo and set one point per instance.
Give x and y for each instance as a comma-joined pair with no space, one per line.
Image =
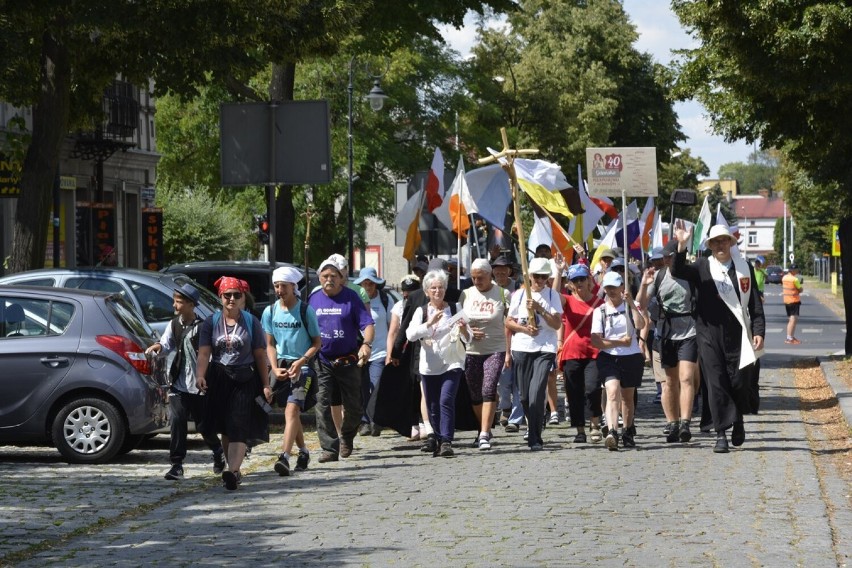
738,306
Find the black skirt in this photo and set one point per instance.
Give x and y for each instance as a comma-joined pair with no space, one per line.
232,410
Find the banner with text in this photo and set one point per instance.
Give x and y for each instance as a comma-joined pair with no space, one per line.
152,245
612,171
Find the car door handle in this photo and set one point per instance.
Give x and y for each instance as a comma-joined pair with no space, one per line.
55,362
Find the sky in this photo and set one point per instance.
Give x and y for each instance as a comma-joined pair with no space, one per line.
659,33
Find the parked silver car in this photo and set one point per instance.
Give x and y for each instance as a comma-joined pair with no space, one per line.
74,373
149,292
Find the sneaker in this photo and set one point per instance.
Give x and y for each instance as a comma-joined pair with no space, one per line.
346,447
685,435
611,441
527,435
554,418
446,450
620,420
674,432
580,438
282,466
415,434
627,437
504,418
175,473
512,428
595,436
536,448
667,428
229,478
302,461
364,430
219,463
792,341
376,431
328,457
484,442
430,445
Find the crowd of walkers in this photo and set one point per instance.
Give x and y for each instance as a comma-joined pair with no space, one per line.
452,357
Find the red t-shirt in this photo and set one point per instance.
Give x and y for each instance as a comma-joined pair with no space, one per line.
578,315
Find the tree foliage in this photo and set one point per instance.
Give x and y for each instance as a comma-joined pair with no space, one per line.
758,173
779,72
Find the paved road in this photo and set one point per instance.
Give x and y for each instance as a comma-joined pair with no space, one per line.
389,504
821,331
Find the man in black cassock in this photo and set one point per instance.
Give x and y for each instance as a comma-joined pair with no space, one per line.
730,327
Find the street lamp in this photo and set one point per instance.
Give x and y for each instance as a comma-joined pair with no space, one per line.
377,97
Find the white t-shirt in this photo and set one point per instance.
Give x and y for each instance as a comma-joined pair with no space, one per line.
546,339
431,361
616,326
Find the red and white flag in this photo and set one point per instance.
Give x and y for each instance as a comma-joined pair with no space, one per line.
435,182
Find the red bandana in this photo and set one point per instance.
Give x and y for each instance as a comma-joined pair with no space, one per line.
230,283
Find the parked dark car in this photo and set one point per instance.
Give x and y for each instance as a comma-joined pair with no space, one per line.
149,292
75,373
774,274
258,274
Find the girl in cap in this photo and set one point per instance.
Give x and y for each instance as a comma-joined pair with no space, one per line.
620,362
233,370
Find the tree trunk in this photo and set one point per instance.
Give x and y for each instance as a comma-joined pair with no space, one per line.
845,235
281,89
50,124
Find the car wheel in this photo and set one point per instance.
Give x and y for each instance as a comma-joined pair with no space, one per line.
88,430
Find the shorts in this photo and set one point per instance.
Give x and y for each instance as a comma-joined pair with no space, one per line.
673,351
792,309
301,392
627,369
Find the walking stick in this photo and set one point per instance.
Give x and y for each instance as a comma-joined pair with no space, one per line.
308,216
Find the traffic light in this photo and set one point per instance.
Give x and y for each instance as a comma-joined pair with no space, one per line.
262,229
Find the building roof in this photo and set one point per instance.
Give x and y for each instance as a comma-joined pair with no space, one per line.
729,186
758,207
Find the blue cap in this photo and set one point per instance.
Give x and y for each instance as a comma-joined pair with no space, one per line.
578,271
657,253
760,259
189,292
612,279
616,263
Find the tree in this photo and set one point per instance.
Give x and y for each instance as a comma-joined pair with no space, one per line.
779,72
759,173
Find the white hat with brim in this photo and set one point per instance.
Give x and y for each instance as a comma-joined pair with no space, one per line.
540,266
718,231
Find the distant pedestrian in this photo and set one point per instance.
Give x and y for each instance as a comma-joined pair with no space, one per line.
179,343
792,290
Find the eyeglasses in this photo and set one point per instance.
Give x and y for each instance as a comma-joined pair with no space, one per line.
541,276
579,279
232,295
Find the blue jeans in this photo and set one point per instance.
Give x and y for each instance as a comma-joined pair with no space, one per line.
369,379
440,393
510,395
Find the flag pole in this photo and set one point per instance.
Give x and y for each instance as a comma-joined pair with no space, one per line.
624,230
458,242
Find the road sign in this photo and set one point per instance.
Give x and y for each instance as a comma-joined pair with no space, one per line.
835,240
792,257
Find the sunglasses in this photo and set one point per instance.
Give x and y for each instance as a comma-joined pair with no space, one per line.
541,276
232,295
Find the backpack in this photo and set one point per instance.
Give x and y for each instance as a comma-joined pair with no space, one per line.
658,280
303,314
178,361
383,296
628,316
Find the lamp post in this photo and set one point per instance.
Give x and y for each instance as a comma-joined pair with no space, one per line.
377,97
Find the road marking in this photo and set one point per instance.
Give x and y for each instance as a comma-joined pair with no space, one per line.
812,330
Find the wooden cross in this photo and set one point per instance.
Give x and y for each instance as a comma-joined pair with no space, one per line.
509,167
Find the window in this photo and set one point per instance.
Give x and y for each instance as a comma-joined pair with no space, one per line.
752,238
48,282
21,317
95,284
155,305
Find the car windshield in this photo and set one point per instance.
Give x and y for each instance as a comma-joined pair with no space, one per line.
129,319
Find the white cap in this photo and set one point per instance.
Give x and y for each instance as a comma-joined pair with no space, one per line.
540,266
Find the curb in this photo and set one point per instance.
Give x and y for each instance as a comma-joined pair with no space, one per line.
838,386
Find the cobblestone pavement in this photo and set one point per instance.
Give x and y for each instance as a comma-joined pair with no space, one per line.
389,504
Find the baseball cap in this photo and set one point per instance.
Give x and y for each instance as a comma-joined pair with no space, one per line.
612,279
540,266
657,253
578,271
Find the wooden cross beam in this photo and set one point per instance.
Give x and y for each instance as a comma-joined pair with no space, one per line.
509,166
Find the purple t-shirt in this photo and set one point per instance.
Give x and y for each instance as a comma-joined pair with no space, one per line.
340,317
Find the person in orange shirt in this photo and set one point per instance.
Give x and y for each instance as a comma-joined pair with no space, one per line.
792,290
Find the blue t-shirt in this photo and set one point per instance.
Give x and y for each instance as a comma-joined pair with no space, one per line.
381,317
232,345
291,339
340,317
